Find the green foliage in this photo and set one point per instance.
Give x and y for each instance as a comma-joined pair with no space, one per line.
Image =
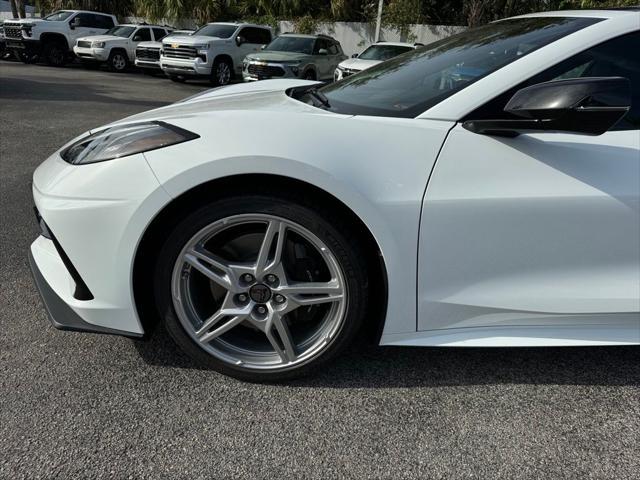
398,14
305,24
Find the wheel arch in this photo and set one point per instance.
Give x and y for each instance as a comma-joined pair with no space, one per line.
224,56
286,187
53,37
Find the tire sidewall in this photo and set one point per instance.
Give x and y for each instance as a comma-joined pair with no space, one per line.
214,72
112,59
51,49
352,265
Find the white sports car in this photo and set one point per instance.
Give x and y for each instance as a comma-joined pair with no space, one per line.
481,191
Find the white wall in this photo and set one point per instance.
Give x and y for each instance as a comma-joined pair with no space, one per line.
355,37
5,10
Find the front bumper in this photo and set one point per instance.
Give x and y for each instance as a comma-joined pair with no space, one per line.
30,47
97,54
61,315
254,71
97,214
154,64
190,67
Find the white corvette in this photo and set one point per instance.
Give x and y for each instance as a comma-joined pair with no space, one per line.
481,191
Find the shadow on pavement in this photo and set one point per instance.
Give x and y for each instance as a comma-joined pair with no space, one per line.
370,366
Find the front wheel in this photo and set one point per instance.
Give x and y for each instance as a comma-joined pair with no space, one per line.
55,54
221,72
260,288
118,61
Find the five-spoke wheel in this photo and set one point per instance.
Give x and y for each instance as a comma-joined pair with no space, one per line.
263,289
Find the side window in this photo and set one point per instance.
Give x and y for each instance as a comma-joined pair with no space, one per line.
260,36
614,58
321,43
142,35
104,22
159,33
85,20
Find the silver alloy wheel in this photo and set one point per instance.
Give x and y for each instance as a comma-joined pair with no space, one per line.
223,73
258,316
118,61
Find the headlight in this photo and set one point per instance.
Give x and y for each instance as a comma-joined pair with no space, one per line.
97,44
123,140
202,48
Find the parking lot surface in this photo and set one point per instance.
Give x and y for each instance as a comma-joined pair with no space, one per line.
91,406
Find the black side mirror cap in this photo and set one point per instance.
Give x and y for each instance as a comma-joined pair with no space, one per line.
590,105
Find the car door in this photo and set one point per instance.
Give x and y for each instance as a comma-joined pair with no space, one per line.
322,60
83,25
541,229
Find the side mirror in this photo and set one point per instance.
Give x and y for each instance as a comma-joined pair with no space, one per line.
323,51
137,38
355,55
240,40
263,47
74,23
590,105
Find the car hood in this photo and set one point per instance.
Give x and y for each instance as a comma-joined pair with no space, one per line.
150,44
25,21
358,64
265,96
103,38
267,56
191,40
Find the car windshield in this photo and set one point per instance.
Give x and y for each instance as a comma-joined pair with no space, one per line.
383,52
216,30
120,31
58,16
408,85
288,43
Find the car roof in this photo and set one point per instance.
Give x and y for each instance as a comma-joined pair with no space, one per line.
239,24
308,35
143,25
395,44
595,13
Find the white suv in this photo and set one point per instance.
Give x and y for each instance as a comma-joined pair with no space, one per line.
148,53
53,36
216,51
373,55
117,47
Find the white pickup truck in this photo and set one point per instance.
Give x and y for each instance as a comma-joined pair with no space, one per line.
52,38
117,47
215,50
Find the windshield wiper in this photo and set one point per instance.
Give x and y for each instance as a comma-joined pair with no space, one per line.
318,95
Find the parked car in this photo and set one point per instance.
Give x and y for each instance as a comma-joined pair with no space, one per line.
265,223
117,47
375,54
52,38
313,57
148,53
214,51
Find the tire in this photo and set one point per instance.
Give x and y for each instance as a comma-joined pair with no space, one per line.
176,78
55,54
221,72
118,61
309,75
328,326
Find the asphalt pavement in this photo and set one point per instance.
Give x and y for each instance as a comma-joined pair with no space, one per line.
96,406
